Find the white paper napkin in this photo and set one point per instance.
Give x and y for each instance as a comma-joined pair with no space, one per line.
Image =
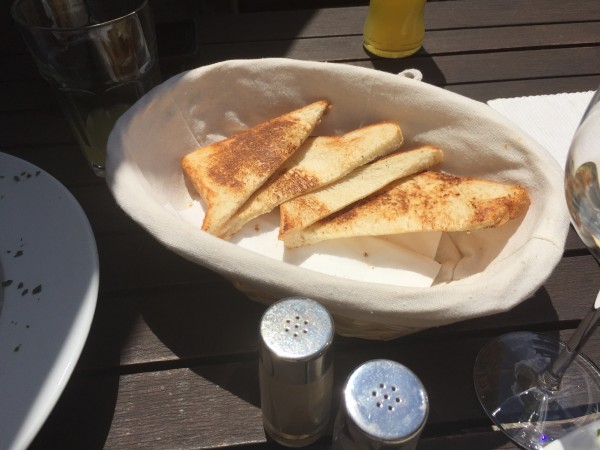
549,119
410,263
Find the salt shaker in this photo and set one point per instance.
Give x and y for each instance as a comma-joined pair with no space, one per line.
383,406
296,370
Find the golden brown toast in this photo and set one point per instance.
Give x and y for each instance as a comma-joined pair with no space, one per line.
302,211
228,172
319,162
429,201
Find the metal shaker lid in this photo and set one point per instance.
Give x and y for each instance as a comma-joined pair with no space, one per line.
384,403
295,336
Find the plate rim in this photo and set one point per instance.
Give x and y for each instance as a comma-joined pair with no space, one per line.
63,363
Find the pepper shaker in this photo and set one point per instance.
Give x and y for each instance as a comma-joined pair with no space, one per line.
296,370
384,406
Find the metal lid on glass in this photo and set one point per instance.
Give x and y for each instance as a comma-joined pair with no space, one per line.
295,336
384,402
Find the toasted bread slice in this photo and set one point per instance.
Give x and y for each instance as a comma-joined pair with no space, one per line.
430,201
320,161
300,212
228,172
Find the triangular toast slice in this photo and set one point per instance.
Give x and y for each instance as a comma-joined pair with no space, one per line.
429,201
228,172
320,161
302,211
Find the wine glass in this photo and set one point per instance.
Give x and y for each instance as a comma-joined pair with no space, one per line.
536,388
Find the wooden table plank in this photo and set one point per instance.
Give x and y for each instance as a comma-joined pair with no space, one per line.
25,95
301,31
507,38
521,88
349,47
138,262
343,21
215,407
302,24
15,97
489,13
50,129
468,439
494,67
211,406
211,320
444,71
64,162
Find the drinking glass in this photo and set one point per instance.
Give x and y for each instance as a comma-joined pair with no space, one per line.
99,56
535,387
394,29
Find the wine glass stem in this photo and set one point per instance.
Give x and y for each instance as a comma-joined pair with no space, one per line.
551,377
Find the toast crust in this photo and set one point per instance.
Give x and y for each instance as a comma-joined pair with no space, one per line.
429,201
303,211
228,172
319,162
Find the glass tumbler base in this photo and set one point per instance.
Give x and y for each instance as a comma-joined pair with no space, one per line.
390,54
98,171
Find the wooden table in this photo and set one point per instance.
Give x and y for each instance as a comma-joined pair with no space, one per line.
171,358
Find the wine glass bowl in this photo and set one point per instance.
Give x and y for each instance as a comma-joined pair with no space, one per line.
534,387
582,188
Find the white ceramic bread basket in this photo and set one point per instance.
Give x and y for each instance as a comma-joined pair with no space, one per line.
482,272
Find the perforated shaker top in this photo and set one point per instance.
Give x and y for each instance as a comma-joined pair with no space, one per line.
296,328
295,336
386,401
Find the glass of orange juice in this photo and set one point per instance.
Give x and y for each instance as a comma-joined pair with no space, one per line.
394,28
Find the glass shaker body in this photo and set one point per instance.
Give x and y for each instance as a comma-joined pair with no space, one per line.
384,406
296,370
394,28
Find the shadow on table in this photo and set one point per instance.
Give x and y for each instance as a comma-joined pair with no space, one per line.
213,330
421,61
213,327
77,424
216,333
534,314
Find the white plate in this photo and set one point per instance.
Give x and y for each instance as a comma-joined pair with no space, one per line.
49,276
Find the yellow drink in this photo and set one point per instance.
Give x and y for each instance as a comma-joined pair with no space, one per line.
98,126
394,28
93,110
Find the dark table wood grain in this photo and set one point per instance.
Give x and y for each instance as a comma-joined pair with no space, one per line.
171,357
